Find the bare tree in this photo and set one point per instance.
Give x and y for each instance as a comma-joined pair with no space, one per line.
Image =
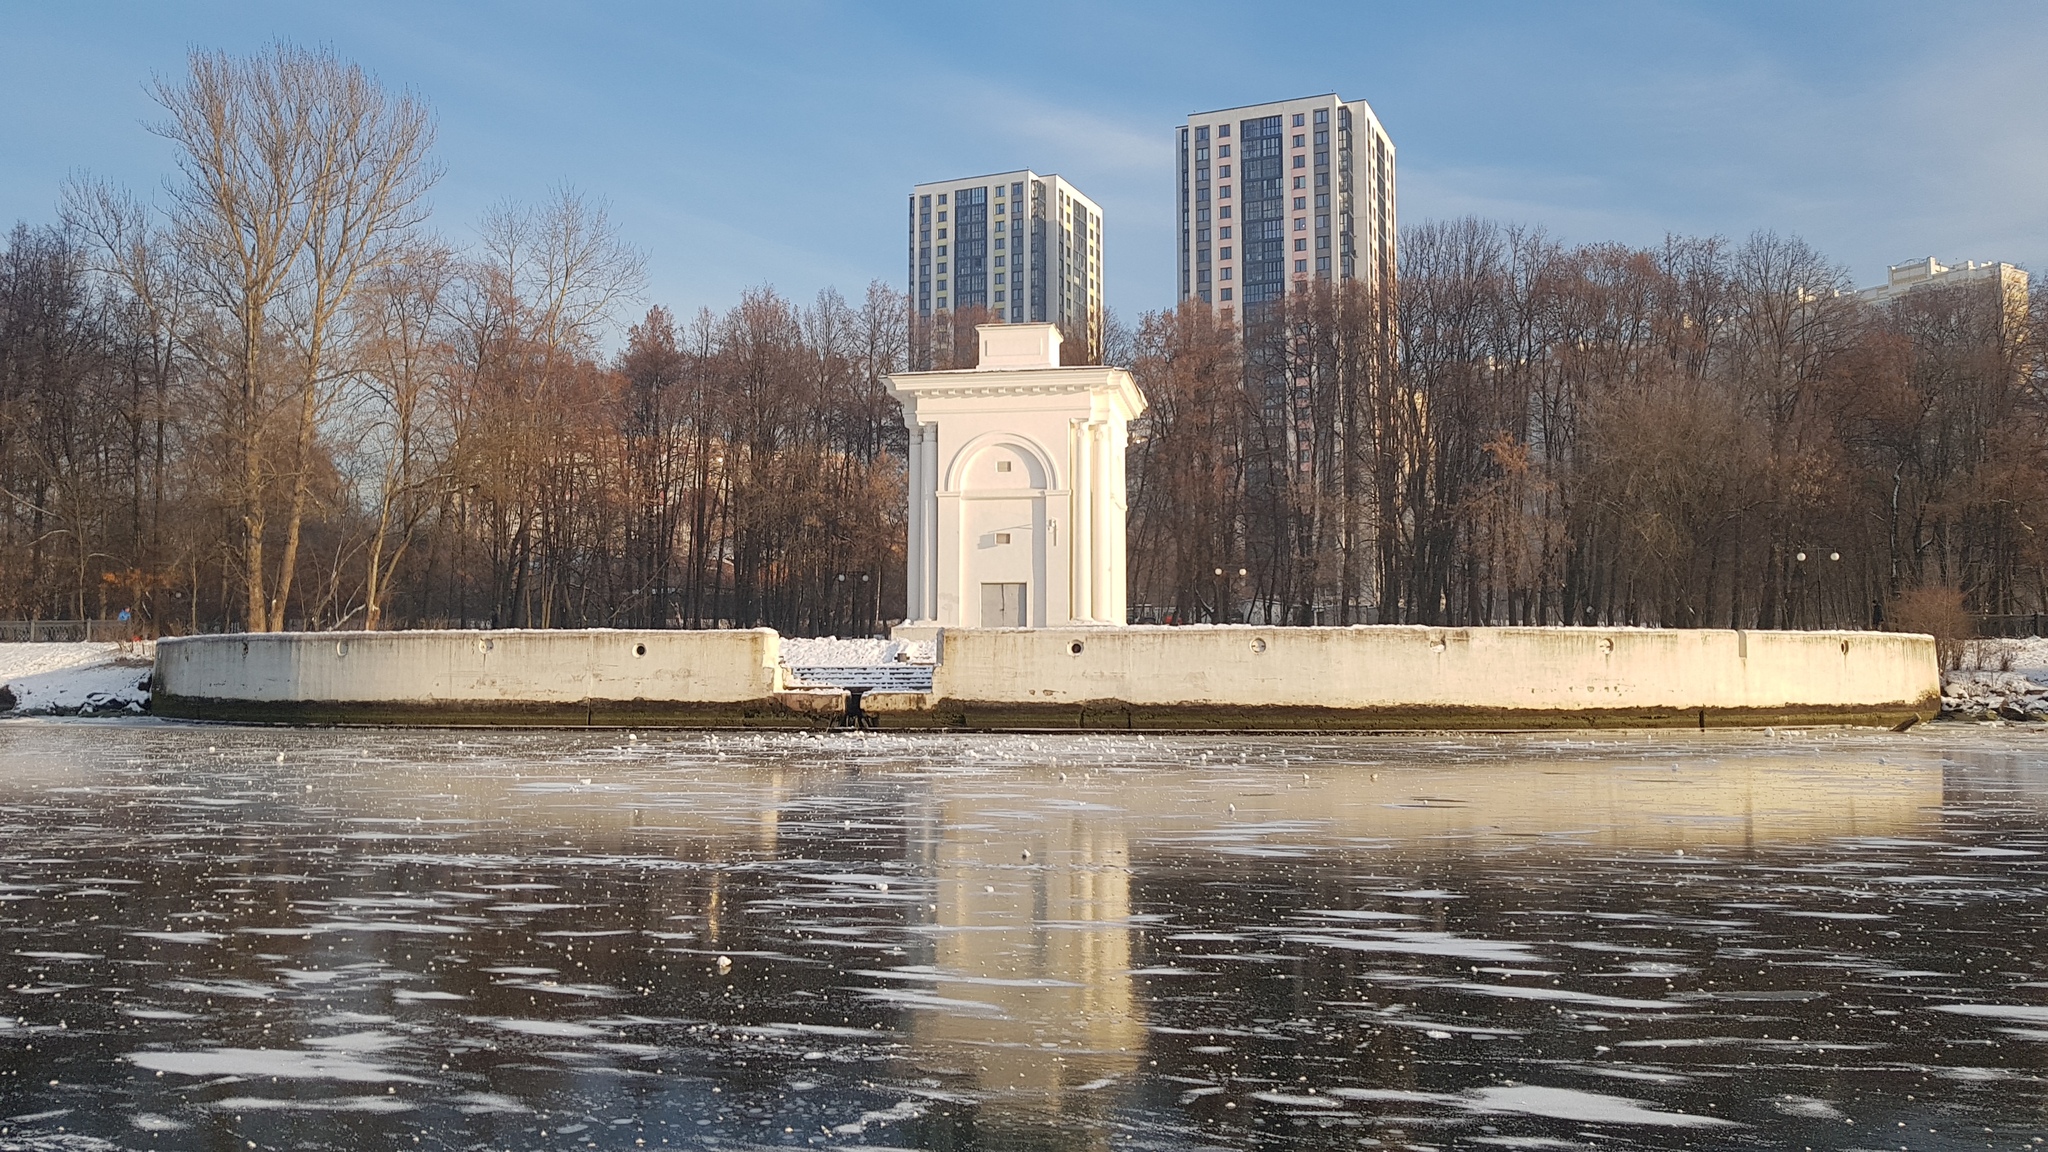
403,406
298,176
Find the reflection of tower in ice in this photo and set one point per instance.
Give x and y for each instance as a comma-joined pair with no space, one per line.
1028,994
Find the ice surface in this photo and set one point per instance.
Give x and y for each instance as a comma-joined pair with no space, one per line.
217,936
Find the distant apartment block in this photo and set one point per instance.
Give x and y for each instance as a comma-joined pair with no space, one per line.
2007,280
1280,194
1026,248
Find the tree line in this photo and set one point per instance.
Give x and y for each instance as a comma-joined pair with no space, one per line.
1699,434
276,398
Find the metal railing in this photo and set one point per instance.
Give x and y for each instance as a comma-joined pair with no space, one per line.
2017,625
67,631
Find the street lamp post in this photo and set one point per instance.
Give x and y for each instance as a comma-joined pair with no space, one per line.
857,617
1834,557
1223,592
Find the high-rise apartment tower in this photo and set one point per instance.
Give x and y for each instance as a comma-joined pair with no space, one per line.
1027,248
1281,194
2008,282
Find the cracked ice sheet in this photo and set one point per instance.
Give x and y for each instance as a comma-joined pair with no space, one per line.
1500,941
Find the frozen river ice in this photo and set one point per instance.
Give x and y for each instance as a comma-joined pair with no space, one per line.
236,938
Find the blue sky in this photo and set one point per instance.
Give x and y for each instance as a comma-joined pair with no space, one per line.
772,143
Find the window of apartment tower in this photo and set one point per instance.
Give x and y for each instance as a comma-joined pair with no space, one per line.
1222,130
1322,115
1298,119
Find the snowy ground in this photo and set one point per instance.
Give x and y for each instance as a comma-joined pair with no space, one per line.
1999,679
69,679
884,665
833,652
219,936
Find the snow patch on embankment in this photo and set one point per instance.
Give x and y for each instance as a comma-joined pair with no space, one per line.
858,663
1999,680
834,651
93,679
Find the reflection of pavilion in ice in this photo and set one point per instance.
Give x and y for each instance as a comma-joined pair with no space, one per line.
1032,997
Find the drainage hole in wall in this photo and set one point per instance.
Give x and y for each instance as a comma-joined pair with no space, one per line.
1258,645
639,649
1074,649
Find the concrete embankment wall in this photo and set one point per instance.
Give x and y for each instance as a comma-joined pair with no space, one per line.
1418,677
1125,678
598,676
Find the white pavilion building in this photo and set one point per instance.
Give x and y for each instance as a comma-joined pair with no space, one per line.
1017,504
